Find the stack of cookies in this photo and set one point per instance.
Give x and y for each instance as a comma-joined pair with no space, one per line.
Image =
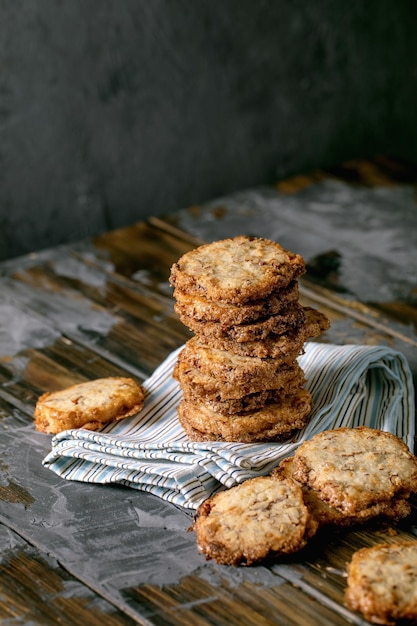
239,374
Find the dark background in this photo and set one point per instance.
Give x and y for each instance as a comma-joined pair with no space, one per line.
114,110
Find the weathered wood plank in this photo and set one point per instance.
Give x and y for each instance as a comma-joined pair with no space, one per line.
36,590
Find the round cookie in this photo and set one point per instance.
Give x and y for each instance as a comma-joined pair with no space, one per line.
393,509
236,270
204,310
353,468
279,324
270,423
285,347
382,583
89,405
230,384
260,518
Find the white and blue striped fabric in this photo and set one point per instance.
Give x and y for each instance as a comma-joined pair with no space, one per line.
351,385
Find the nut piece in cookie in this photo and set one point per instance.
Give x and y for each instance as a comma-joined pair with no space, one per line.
89,405
261,518
236,270
353,468
382,583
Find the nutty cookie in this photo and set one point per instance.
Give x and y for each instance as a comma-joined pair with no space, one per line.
285,347
271,423
259,330
382,582
233,383
393,509
89,405
201,309
354,468
236,270
260,518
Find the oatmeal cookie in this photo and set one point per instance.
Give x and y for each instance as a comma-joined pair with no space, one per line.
354,468
236,270
260,518
89,405
382,582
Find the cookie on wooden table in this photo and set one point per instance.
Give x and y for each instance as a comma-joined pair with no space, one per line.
382,583
393,509
201,309
89,405
274,422
259,330
354,468
236,270
285,347
260,518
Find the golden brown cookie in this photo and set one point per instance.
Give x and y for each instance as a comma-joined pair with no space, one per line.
382,583
270,423
354,468
252,401
223,376
260,518
290,319
393,509
89,405
236,270
284,347
204,310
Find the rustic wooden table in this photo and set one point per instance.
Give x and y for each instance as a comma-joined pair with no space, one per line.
74,553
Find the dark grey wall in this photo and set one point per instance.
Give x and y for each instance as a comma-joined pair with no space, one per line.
114,110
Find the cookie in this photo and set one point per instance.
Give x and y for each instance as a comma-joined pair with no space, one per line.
285,347
236,270
204,310
259,330
271,423
354,468
261,518
223,377
252,401
393,509
89,405
382,582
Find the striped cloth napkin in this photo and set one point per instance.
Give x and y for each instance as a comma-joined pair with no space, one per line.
351,385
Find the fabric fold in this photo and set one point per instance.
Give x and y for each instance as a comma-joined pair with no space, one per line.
351,385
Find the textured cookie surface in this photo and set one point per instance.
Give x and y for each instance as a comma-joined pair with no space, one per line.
393,509
253,331
285,347
353,468
88,405
382,583
236,270
233,383
204,310
272,422
263,517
